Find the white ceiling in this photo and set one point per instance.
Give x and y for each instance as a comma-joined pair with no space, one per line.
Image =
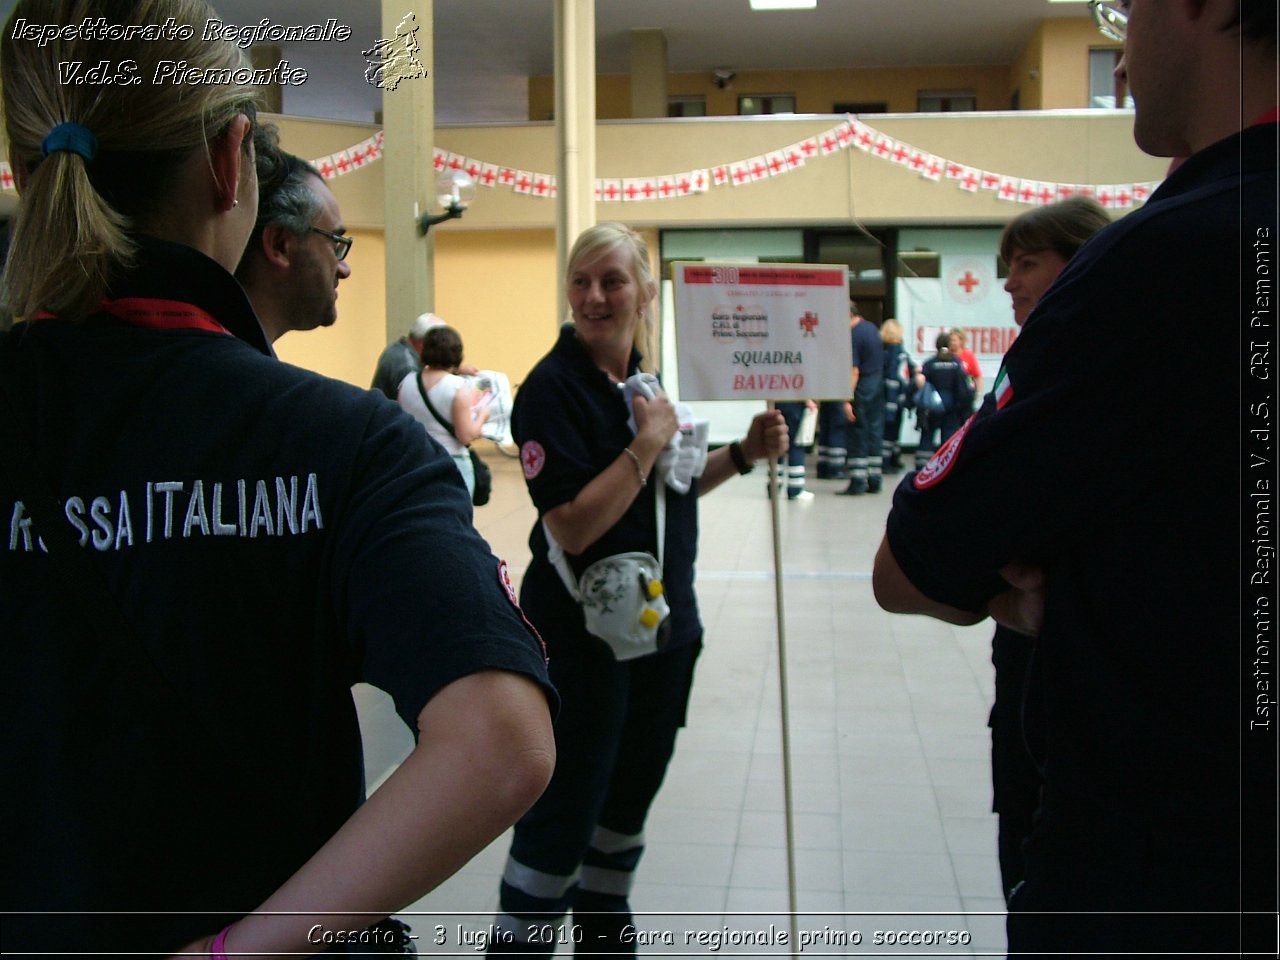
486,49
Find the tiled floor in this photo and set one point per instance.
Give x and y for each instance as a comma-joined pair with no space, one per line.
889,753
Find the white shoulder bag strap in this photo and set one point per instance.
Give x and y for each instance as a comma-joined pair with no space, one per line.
555,553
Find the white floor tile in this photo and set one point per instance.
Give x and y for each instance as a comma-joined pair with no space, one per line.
889,747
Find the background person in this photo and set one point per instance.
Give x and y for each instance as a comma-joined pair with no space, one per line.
402,357
832,441
900,375
970,362
1036,247
236,532
790,469
865,413
451,397
946,374
297,253
592,478
1156,830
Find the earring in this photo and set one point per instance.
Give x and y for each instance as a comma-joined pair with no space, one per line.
235,203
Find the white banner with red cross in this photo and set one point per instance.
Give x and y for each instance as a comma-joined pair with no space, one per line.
766,331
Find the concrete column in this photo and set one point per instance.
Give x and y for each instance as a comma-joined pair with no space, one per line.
648,74
408,116
575,54
266,56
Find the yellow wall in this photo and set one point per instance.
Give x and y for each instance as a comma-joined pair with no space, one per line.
495,268
1025,76
1093,146
349,349
1065,69
816,91
1052,73
498,288
495,274
1053,69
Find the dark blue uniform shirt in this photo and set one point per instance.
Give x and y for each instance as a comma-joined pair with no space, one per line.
272,537
1126,488
868,350
571,423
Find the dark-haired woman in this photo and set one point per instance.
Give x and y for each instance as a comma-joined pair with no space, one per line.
1036,247
451,399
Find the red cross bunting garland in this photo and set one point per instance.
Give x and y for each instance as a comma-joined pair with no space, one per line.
785,160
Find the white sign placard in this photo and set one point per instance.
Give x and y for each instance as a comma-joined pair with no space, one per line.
762,331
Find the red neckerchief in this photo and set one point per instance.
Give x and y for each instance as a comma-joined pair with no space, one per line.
1271,116
156,314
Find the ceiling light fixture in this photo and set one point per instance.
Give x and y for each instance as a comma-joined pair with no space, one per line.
783,4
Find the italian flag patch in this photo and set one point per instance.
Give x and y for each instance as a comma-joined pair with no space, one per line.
1003,388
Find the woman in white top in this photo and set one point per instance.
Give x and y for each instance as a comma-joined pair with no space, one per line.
459,412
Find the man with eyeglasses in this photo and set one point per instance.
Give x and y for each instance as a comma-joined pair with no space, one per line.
296,255
1148,594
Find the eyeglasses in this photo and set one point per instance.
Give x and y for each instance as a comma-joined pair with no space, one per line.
341,244
1112,17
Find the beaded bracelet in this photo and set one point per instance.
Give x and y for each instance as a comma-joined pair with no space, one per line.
644,482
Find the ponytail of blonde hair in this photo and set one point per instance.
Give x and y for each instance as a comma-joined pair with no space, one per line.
70,237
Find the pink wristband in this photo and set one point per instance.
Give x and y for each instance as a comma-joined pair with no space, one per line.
217,949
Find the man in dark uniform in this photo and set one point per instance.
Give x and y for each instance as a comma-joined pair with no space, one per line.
297,253
866,413
1157,829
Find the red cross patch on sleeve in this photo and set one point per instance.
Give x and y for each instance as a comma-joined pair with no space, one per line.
532,458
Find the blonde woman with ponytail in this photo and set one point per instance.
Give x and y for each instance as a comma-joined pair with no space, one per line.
207,548
593,457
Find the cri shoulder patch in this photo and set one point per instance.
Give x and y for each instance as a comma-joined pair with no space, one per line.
532,458
940,463
504,578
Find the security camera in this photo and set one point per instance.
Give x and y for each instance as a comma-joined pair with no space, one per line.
723,76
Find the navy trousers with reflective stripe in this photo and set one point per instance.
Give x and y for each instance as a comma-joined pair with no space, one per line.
578,847
866,432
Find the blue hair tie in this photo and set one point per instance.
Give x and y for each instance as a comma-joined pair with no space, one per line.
70,138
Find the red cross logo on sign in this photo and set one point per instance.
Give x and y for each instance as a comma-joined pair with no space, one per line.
967,279
809,323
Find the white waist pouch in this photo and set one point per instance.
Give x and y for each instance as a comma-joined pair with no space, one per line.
623,604
622,597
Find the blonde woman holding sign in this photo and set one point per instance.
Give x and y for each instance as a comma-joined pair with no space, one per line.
597,443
